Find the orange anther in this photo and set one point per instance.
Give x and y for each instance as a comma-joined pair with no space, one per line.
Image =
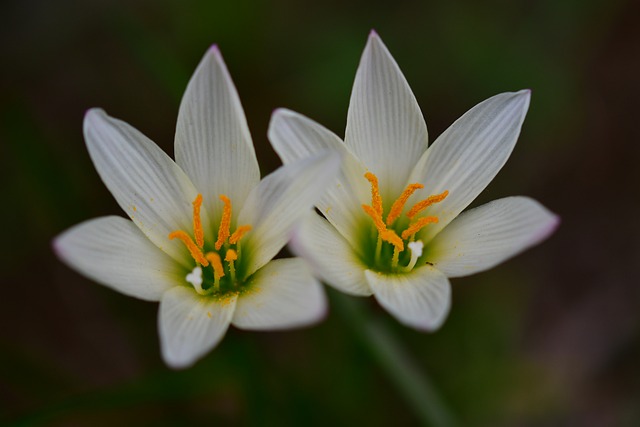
225,222
231,255
391,237
216,263
418,225
398,205
237,235
375,216
195,251
376,199
197,224
420,206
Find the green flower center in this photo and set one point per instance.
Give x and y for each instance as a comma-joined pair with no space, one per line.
391,245
218,269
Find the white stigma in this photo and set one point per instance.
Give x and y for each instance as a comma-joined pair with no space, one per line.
195,278
416,252
416,248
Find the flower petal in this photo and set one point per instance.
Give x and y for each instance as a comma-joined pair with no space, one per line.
146,183
191,325
280,200
281,295
330,255
420,299
114,252
488,235
385,127
468,155
295,137
213,144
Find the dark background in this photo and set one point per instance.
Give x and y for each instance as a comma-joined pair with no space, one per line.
550,338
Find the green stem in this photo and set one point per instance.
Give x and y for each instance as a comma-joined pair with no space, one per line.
408,378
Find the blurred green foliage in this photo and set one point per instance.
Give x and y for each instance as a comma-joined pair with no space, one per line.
550,338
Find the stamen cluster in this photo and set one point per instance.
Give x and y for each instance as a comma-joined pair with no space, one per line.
204,258
389,235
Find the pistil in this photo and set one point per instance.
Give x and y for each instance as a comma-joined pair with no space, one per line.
416,252
195,278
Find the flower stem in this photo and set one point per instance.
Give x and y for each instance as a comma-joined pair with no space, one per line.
409,380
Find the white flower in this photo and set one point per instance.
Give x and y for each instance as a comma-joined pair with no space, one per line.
204,228
395,228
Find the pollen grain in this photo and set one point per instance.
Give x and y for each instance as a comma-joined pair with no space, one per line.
398,205
391,237
195,251
197,223
231,255
418,225
225,222
216,263
376,199
420,206
239,233
375,216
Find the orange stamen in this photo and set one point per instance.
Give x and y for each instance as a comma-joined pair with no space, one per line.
195,251
237,235
376,199
375,216
216,263
398,205
197,224
225,222
391,237
420,206
231,255
418,225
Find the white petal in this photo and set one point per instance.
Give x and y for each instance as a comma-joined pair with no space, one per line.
330,255
295,137
468,155
488,235
114,252
147,184
385,127
281,295
420,299
213,145
280,200
191,325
